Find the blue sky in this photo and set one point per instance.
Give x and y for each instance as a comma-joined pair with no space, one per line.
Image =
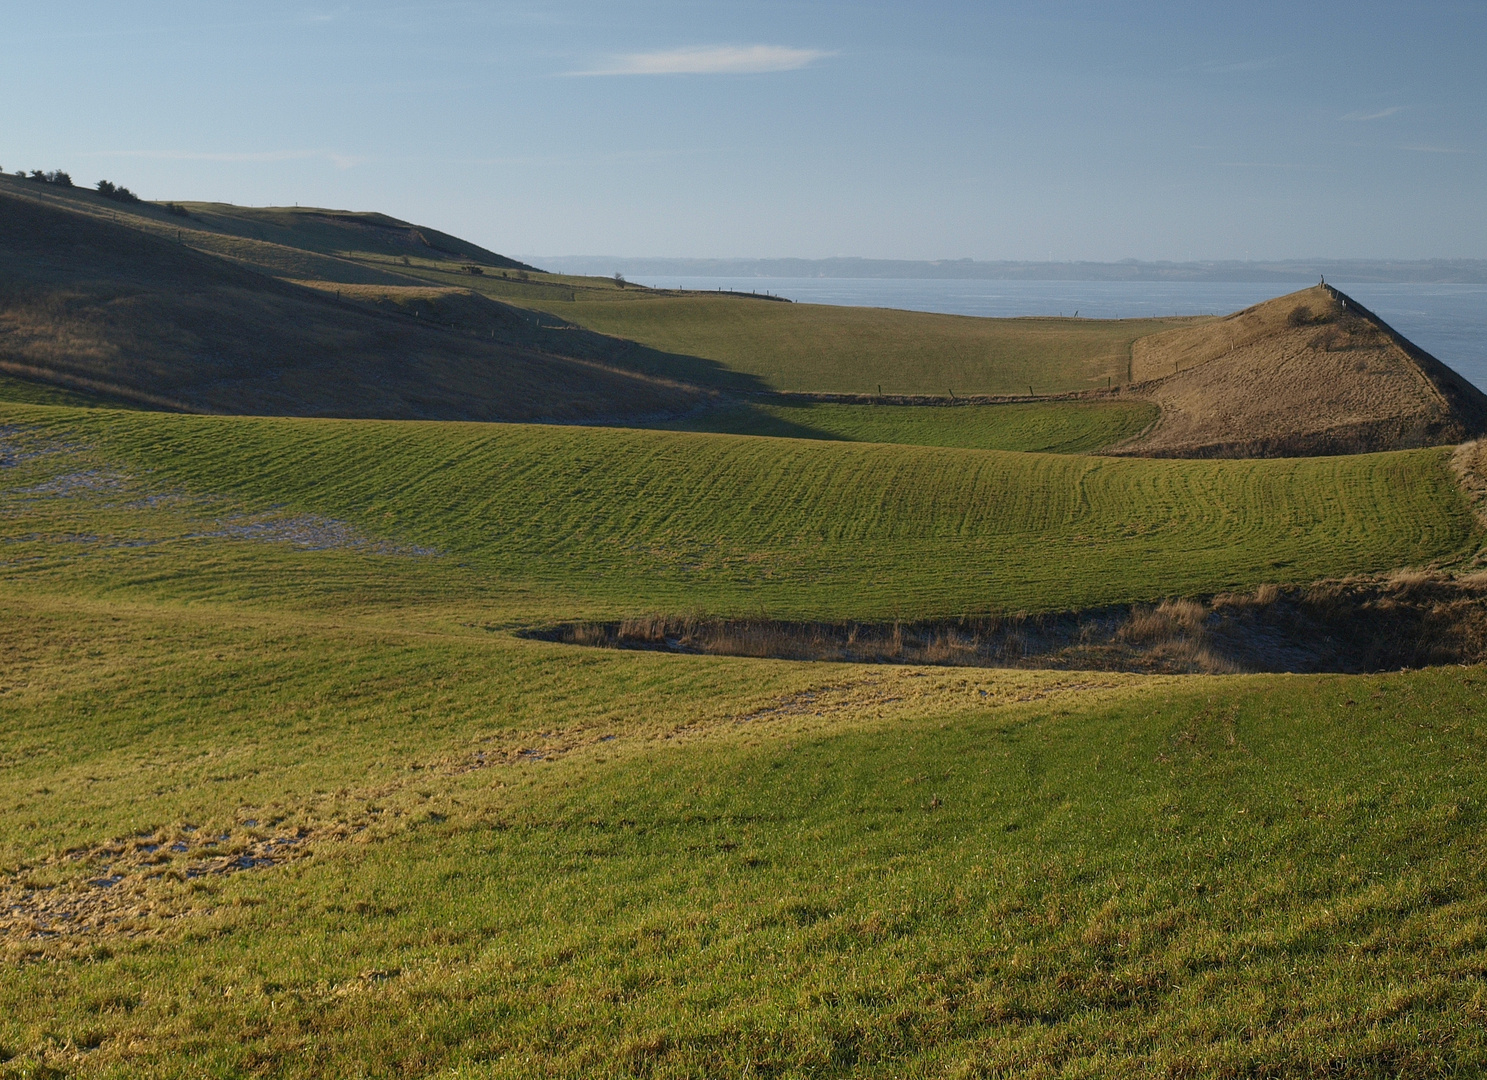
764,128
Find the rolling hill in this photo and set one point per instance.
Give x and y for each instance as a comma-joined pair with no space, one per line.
115,303
1310,373
817,347
605,522
282,792
296,779
313,312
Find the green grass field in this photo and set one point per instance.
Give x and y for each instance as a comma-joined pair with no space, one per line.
285,645
1055,427
860,350
591,521
817,347
520,859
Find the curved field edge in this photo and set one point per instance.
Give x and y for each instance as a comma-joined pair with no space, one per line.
1061,427
632,521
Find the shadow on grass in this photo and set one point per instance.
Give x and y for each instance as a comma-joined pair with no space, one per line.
735,418
551,333
1353,626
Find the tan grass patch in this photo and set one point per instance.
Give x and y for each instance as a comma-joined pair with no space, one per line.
1266,382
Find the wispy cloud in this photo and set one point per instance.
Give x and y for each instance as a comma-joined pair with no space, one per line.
339,160
1360,116
711,60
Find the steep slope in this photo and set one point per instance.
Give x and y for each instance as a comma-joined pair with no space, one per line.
106,301
332,232
1310,373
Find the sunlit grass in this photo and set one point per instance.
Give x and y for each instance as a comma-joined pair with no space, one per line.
626,521
516,858
1063,427
712,872
873,350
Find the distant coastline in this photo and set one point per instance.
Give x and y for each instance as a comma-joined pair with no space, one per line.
1444,271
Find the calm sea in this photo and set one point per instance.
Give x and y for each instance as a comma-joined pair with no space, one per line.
1448,321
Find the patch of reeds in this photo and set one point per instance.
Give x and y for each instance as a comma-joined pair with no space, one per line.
1408,619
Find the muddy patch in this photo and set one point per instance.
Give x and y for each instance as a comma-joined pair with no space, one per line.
1352,626
118,887
311,533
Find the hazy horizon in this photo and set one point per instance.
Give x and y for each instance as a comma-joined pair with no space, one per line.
1461,271
1015,131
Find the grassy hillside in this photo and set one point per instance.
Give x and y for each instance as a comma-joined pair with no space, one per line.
857,350
308,311
1308,373
118,308
1060,427
338,232
815,347
755,343
312,312
509,859
281,794
631,521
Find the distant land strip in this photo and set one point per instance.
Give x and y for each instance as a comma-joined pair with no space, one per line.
1441,271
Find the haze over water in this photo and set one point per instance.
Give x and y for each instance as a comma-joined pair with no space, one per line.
1448,321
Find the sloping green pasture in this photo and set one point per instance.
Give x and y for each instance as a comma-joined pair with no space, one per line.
819,347
827,348
588,521
1056,427
526,859
225,639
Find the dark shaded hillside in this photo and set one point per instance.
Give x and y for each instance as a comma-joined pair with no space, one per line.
333,231
90,303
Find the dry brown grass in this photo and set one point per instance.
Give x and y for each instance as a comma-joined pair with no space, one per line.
1309,373
87,303
1469,464
1409,618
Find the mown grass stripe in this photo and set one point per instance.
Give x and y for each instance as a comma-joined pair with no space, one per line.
648,519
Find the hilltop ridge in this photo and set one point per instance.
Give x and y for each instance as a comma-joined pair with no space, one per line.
332,232
1313,372
120,302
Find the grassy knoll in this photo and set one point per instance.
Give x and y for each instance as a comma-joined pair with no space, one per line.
592,521
724,866
857,350
1059,427
124,304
